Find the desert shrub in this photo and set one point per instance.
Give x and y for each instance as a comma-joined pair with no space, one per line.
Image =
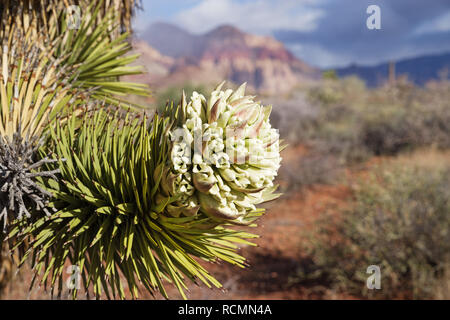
333,90
354,123
398,220
330,74
308,170
386,130
295,126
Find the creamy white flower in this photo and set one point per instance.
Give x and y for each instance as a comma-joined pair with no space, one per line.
233,161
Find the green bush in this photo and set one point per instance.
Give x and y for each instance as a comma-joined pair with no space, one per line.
355,123
332,90
399,220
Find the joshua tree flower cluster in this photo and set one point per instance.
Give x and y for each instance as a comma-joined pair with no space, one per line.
117,191
224,156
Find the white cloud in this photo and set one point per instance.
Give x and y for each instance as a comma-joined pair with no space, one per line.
441,24
258,16
318,56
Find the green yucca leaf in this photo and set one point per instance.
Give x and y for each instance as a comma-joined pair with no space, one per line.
96,50
100,60
34,90
108,221
40,15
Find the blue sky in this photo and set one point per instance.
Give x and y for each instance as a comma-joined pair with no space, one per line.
324,33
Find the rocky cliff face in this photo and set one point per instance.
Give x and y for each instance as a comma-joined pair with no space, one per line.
224,53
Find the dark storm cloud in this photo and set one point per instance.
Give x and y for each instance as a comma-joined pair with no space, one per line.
342,36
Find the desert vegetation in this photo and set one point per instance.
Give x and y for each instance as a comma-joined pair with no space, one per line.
398,220
389,148
92,175
343,123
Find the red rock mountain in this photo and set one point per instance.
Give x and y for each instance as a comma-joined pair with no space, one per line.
173,56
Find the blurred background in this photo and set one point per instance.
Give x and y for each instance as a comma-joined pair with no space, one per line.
366,114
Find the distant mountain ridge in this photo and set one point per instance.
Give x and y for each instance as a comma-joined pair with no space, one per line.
419,70
171,41
174,56
225,53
